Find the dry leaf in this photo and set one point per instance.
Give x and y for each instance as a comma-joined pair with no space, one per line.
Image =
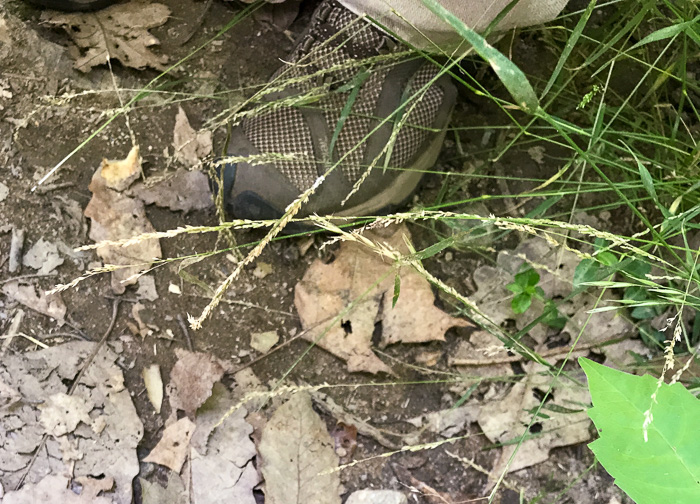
184,190
298,457
264,341
329,289
449,422
61,413
483,347
43,257
192,378
191,146
377,497
154,386
119,174
50,305
563,420
116,216
173,493
556,268
52,489
116,32
223,471
103,424
171,450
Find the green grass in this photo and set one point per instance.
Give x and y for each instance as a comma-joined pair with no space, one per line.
616,109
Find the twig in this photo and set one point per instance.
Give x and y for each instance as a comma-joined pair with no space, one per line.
76,382
12,331
515,358
16,245
24,277
251,305
477,467
185,333
52,187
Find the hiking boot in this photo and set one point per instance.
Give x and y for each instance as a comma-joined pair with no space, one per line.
350,103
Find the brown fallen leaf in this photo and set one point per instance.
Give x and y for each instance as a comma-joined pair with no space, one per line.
53,489
345,438
184,190
329,289
298,459
223,470
191,146
171,451
61,413
103,429
173,493
563,420
192,379
117,32
50,305
556,268
115,216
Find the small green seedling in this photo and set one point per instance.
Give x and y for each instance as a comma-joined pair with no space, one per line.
525,288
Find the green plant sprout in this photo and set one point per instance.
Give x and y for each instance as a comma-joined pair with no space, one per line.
525,289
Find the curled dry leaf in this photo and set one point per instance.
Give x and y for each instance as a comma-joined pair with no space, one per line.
191,146
117,32
327,290
154,386
184,190
298,459
115,216
192,379
345,438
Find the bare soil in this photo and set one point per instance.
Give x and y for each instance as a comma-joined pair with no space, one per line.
39,128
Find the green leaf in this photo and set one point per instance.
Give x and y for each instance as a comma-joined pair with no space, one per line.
552,317
521,303
586,271
636,268
643,312
607,258
667,32
636,293
397,289
650,336
510,75
527,278
664,468
515,288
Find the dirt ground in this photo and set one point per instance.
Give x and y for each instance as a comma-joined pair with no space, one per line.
39,127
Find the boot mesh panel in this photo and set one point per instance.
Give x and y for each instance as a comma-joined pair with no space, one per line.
420,118
333,64
284,131
357,125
